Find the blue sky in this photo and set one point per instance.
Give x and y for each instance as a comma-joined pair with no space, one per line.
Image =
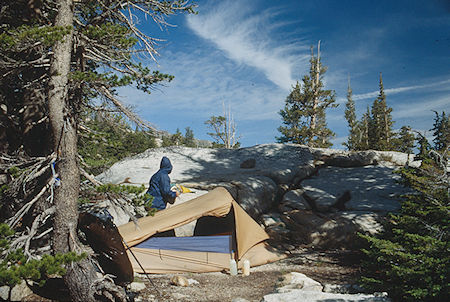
248,54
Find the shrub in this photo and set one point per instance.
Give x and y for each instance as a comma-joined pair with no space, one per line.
410,259
14,265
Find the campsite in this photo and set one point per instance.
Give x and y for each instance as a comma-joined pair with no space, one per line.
214,177
233,150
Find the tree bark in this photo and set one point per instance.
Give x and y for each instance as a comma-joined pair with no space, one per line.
316,88
63,119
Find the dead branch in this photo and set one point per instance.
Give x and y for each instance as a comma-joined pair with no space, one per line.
132,116
34,227
16,218
90,177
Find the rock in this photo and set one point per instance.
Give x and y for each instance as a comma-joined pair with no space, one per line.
271,219
372,188
397,158
281,168
136,286
326,232
18,292
248,163
179,281
367,222
120,216
239,300
314,296
296,280
293,200
255,194
353,159
179,296
278,233
193,282
342,288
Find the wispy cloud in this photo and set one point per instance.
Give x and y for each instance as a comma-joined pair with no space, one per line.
422,109
246,38
391,91
202,83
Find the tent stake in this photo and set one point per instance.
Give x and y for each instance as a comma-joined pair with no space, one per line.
140,265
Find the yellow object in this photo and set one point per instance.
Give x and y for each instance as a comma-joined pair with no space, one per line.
183,189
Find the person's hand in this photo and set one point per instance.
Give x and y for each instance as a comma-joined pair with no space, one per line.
178,193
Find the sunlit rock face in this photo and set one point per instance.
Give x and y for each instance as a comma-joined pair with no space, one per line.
322,196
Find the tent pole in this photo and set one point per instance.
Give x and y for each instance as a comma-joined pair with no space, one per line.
140,265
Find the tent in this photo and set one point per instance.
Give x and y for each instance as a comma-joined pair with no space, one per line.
223,231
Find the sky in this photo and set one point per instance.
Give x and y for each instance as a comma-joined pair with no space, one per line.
246,55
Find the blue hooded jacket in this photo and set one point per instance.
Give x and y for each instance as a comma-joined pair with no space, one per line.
159,186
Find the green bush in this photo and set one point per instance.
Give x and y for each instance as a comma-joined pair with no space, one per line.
15,267
410,259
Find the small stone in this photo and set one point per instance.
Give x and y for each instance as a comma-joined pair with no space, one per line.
179,296
239,300
193,281
179,281
137,286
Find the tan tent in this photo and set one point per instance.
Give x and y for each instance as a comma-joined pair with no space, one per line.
223,230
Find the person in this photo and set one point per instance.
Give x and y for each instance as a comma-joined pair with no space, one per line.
159,186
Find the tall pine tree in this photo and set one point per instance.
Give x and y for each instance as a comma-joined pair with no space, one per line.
441,131
350,116
304,113
380,131
58,55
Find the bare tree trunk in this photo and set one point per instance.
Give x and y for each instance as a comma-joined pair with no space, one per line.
79,276
316,88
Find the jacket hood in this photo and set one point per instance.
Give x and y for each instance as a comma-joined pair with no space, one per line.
166,165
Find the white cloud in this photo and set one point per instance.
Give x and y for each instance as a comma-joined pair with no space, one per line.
422,109
397,90
247,39
203,81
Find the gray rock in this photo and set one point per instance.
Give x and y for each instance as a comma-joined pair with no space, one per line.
18,292
136,286
239,300
248,163
296,280
296,295
372,188
321,231
279,167
271,219
352,159
294,200
342,288
179,281
179,296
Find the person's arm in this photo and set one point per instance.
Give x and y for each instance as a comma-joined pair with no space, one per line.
167,194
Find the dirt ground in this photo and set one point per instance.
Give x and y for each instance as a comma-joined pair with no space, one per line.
327,267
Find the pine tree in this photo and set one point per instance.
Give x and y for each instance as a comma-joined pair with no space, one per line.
363,128
380,131
58,56
350,116
441,131
404,140
188,139
424,147
409,259
304,114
